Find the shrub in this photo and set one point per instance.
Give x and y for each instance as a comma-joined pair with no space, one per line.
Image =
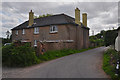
18,56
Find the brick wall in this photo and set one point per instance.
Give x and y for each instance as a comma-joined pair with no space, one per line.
65,32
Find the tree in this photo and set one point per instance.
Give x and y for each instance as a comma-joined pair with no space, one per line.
98,39
44,15
8,34
109,37
104,38
7,40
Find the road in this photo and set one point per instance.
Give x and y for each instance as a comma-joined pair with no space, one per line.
86,64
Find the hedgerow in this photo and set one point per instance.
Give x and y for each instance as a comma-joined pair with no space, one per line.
21,56
24,55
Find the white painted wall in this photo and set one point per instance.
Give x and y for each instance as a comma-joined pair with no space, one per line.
117,42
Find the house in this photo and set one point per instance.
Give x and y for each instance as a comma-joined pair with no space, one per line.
54,32
117,41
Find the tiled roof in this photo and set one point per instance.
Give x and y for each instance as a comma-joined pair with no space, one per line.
49,20
118,28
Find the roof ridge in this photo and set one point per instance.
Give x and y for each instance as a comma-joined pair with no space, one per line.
50,16
68,18
48,20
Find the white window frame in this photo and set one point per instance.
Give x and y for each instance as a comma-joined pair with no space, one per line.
53,29
23,31
16,32
36,30
35,43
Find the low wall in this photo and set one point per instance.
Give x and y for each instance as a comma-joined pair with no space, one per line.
60,45
48,46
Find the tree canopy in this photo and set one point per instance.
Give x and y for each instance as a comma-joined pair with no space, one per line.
104,38
109,37
98,39
44,15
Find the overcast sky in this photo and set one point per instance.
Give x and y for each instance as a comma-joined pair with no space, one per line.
101,15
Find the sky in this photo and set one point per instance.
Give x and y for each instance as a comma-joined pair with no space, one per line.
101,15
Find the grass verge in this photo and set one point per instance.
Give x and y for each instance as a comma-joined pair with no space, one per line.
50,55
109,63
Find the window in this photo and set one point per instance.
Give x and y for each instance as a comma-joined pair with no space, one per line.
23,31
34,23
16,32
53,29
35,43
36,30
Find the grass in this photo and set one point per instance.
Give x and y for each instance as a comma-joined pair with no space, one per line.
50,55
109,63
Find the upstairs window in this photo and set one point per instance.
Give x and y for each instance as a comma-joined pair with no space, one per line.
16,32
23,31
36,30
53,29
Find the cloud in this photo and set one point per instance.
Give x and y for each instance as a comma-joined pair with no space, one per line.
60,1
101,15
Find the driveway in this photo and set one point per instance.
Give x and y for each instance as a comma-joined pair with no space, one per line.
86,64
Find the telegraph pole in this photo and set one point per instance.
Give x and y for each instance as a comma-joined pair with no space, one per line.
93,32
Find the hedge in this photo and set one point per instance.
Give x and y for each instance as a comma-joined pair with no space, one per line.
18,56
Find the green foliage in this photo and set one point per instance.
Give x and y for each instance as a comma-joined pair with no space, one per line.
104,38
110,37
44,15
6,40
109,63
18,56
97,41
93,39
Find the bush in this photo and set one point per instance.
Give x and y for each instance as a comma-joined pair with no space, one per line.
18,56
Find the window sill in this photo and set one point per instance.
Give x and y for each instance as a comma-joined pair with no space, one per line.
36,33
35,45
53,32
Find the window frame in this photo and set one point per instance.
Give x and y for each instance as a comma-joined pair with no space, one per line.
23,31
35,43
16,32
53,29
36,30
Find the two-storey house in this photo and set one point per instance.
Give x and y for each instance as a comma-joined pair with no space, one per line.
56,32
